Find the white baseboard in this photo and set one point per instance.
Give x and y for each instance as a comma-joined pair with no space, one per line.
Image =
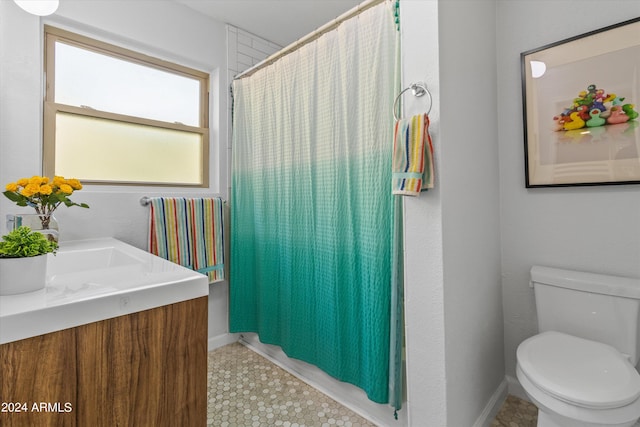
347,395
221,340
493,406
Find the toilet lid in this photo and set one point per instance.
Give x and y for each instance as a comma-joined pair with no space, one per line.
579,371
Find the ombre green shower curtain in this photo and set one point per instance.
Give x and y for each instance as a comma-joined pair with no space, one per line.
312,214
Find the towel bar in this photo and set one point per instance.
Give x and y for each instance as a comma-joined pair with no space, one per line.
417,89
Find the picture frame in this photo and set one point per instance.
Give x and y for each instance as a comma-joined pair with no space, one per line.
581,98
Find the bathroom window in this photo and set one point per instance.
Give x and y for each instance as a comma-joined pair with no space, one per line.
116,116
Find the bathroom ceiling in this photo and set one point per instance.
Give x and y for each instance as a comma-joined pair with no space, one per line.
279,21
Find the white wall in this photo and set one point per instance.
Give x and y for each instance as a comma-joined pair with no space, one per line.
584,228
424,292
164,29
471,215
453,295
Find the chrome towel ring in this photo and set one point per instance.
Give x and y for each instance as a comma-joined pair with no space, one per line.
417,89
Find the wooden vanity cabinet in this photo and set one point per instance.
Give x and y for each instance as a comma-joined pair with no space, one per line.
143,369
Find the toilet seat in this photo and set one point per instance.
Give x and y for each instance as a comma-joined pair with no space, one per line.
556,364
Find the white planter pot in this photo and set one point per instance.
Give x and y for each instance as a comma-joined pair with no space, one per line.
20,275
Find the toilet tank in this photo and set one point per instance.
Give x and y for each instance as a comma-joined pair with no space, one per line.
592,306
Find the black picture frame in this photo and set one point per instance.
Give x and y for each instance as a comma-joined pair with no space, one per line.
566,142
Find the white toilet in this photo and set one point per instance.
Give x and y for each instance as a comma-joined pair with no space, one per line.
580,369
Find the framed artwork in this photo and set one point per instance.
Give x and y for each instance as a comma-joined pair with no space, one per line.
581,98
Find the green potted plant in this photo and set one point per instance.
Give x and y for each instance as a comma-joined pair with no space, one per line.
23,261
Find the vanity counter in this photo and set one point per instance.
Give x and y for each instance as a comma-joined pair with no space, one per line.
94,280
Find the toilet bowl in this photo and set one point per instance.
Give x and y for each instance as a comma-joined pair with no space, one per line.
577,382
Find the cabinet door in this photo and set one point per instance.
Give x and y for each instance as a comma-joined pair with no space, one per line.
38,381
145,369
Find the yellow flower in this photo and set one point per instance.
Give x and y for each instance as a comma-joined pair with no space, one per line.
66,188
30,190
36,179
45,189
74,183
36,191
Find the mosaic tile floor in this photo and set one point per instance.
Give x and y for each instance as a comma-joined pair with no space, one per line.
516,413
245,389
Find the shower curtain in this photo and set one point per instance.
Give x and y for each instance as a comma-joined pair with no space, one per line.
314,225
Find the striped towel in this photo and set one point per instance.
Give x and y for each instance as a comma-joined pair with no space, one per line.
189,232
413,167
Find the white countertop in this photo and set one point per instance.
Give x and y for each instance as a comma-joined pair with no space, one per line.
93,280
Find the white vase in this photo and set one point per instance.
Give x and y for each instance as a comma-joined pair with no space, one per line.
20,275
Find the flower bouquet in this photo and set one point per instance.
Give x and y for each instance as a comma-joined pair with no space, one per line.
43,194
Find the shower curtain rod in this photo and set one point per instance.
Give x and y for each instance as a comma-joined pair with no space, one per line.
310,37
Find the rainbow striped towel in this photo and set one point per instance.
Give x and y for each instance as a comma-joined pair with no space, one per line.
413,167
189,232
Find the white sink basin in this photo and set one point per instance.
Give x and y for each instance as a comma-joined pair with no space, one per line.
92,280
73,261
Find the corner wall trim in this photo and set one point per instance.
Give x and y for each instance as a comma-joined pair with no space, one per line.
221,340
493,406
515,389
